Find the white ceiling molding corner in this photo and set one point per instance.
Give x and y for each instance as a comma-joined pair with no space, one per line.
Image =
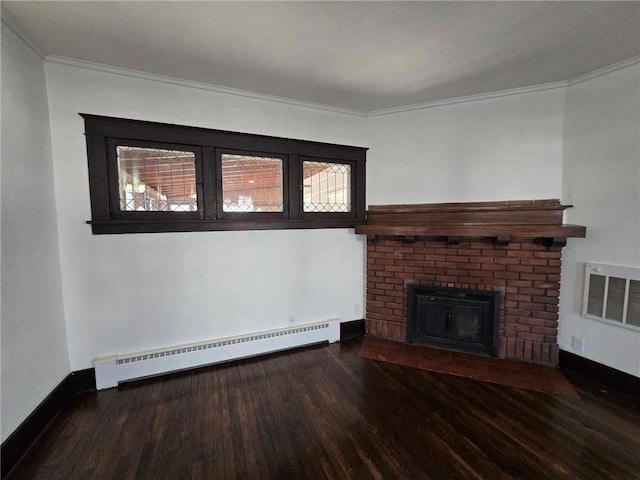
15,26
604,70
470,98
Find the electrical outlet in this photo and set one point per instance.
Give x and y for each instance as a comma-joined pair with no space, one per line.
577,343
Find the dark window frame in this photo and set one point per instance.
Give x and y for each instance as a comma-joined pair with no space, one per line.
104,133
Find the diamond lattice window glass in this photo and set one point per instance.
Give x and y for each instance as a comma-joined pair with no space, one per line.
326,187
251,183
156,180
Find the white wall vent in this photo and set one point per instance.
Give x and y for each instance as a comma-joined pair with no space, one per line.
612,295
114,369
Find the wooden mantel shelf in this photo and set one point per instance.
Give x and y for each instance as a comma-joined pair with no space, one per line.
524,219
512,231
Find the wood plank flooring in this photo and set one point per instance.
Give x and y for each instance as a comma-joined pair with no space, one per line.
325,412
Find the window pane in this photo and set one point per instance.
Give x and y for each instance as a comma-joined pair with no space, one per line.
615,298
251,184
596,295
327,187
633,305
156,180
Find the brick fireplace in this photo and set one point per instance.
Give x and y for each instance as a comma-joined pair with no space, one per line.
511,247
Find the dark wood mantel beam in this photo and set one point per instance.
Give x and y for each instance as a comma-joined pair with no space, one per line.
490,231
500,221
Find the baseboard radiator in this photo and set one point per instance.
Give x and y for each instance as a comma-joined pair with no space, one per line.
114,369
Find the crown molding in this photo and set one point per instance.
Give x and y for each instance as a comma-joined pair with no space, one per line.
318,106
514,91
604,70
199,85
19,30
290,101
470,98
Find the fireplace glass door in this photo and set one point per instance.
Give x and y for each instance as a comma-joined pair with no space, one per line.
455,319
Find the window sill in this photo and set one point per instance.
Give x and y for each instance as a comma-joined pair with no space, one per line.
124,226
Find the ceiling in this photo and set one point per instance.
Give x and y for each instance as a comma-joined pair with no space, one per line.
363,56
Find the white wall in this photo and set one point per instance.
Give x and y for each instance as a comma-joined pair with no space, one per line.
34,346
506,148
125,293
602,180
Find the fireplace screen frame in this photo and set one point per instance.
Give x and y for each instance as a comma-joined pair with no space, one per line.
487,301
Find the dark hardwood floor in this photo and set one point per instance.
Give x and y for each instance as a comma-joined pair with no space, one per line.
325,412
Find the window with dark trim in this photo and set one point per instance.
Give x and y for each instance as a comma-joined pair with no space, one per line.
153,177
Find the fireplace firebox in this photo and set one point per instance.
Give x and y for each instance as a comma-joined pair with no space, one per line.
454,318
